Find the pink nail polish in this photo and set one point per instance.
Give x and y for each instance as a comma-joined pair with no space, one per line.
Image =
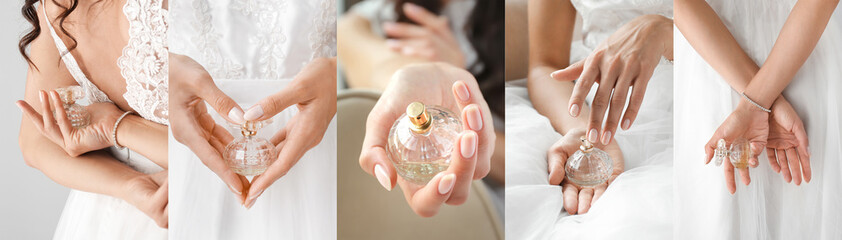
606,137
626,124
469,145
446,183
462,92
382,177
574,110
592,135
253,113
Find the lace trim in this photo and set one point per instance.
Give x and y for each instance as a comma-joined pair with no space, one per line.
144,62
323,37
218,66
92,93
270,37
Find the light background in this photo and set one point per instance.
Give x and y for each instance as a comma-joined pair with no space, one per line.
30,203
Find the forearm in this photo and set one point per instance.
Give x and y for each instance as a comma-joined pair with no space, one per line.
368,63
144,137
96,172
711,39
799,36
551,97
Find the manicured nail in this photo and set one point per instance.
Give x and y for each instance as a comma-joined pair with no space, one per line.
592,135
42,95
574,110
474,119
253,113
446,183
382,177
234,190
236,115
469,145
253,197
626,124
462,92
553,74
606,137
251,204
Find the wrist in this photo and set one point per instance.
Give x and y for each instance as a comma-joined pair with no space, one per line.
661,28
124,128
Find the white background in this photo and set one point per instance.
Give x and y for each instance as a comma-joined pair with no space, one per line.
30,203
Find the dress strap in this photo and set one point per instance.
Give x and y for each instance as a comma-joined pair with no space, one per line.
91,91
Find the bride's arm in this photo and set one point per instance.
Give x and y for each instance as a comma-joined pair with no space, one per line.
798,38
145,137
551,26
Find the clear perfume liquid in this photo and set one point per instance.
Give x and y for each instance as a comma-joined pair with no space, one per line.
738,153
250,155
418,157
588,169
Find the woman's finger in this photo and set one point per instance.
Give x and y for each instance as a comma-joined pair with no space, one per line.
585,197
425,18
33,115
427,201
638,90
744,176
600,103
49,118
781,154
598,191
773,159
794,165
617,104
571,198
62,121
583,85
729,177
803,149
555,165
462,164
570,73
405,30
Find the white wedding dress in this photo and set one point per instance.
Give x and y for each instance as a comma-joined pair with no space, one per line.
253,49
769,208
143,65
638,204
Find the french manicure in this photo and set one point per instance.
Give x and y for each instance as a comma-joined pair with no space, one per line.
251,204
382,177
236,115
574,110
234,190
254,196
253,113
462,92
592,135
446,183
468,145
606,137
474,119
626,124
42,95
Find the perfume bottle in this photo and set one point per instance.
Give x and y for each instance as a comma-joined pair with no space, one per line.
250,155
421,140
738,153
589,166
77,114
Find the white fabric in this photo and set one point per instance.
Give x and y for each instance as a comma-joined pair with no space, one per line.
144,62
457,12
638,204
769,208
253,49
95,216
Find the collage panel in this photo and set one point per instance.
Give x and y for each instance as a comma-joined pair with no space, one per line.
420,106
589,124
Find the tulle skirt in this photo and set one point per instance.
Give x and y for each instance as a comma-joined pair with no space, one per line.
96,216
299,205
769,208
637,205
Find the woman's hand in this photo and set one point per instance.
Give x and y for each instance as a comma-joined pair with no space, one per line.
623,62
433,84
149,193
313,91
747,122
787,143
75,141
578,200
432,39
191,86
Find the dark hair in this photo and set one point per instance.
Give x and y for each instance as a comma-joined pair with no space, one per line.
484,29
30,13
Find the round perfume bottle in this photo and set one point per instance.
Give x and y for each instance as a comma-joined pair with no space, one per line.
77,114
250,155
589,166
421,140
738,153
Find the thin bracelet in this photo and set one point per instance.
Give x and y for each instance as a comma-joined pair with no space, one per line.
114,130
755,103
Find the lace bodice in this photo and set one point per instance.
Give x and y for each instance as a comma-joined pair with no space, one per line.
266,39
143,63
601,18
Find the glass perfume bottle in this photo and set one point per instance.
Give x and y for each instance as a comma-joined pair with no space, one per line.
250,155
738,153
77,114
421,140
589,166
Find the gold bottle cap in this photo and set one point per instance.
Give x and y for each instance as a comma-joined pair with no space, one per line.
586,146
418,116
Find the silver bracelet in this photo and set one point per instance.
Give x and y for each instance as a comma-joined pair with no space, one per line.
755,103
114,130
